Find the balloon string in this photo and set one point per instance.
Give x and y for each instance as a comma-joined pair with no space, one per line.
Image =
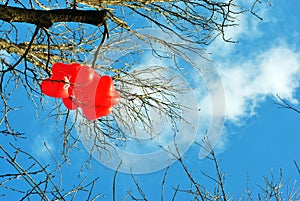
105,36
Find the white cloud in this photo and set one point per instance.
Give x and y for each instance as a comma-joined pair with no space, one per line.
248,27
248,82
280,68
249,74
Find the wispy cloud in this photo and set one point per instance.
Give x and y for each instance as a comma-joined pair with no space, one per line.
248,82
40,149
256,68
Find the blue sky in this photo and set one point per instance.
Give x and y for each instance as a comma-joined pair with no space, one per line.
257,138
260,136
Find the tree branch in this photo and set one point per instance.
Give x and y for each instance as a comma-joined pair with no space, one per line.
45,18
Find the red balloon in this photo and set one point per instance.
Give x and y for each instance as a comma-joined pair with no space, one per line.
93,113
103,111
75,73
63,78
84,76
68,70
54,88
70,103
106,95
110,100
81,86
86,93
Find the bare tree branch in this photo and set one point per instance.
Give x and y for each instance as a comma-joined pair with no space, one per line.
286,105
46,18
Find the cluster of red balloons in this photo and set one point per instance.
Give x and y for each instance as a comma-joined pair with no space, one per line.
81,86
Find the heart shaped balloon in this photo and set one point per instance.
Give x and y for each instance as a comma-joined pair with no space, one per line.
106,95
81,86
55,88
86,93
93,113
67,70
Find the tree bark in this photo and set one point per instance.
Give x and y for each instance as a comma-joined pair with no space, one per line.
119,2
46,18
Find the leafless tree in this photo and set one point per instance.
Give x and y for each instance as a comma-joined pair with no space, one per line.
40,179
34,34
273,187
72,31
